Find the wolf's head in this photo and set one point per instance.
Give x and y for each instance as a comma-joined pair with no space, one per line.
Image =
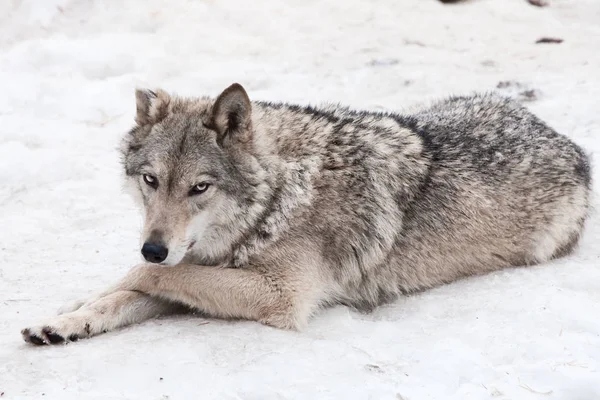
191,165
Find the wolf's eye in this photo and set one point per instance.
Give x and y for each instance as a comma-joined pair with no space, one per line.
199,188
150,181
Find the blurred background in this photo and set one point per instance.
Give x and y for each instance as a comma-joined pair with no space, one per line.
68,69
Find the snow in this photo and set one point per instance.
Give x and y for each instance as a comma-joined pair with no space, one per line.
67,71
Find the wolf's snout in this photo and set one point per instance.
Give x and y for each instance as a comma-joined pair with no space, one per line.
154,252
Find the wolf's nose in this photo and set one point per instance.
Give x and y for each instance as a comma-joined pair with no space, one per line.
154,252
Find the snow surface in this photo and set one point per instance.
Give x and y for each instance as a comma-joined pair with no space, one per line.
67,72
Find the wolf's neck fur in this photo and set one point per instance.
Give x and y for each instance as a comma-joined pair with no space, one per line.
291,193
287,188
286,197
289,144
283,190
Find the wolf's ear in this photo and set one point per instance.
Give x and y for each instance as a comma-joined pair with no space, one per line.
232,113
151,106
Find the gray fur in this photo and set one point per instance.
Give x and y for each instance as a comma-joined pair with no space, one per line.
316,206
391,203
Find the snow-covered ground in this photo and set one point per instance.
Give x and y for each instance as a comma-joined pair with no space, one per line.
67,73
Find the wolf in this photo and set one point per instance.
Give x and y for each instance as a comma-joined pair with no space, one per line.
272,211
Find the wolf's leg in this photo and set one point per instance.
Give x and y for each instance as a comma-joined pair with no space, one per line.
248,293
115,310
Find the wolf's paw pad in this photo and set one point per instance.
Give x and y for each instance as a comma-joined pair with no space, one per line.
45,335
30,337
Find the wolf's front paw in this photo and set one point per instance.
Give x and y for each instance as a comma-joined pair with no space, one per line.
64,328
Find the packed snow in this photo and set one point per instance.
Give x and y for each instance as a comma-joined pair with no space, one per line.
68,69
